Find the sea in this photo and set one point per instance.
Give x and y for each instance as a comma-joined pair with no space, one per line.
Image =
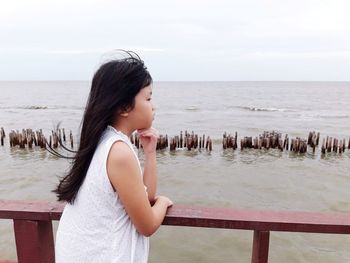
241,179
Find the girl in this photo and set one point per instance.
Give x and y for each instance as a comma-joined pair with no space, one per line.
112,207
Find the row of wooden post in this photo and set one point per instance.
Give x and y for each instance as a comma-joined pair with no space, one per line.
338,146
27,137
274,140
191,141
267,140
187,140
162,141
57,136
229,141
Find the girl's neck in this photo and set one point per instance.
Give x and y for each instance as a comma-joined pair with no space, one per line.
123,128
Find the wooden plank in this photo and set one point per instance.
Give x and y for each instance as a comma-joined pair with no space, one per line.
313,222
181,215
30,210
34,241
260,251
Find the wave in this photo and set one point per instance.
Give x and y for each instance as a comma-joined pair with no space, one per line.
192,108
36,107
33,107
251,108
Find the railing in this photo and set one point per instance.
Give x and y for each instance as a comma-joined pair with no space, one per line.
35,243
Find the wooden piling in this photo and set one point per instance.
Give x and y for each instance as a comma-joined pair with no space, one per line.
309,140
2,136
71,139
224,142
59,135
329,144
341,146
172,144
196,141
64,135
323,149
280,145
335,145
181,139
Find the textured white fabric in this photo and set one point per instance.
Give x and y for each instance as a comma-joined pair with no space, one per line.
96,228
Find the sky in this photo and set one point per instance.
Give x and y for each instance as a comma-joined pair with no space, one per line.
250,40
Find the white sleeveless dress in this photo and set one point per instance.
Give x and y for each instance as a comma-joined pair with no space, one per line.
96,228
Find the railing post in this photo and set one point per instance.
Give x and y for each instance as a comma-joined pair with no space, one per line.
260,251
34,241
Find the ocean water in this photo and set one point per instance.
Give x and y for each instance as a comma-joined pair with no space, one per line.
255,179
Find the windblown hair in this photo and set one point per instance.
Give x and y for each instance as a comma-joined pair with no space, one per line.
114,87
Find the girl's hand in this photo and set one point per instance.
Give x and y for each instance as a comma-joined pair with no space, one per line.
163,198
148,138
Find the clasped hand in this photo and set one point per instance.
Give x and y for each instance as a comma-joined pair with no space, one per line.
148,139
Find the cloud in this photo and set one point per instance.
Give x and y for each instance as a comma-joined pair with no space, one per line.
100,50
182,35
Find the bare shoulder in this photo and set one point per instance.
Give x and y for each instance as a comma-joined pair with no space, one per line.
120,152
121,162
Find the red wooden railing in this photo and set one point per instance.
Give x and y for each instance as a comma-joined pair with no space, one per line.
35,243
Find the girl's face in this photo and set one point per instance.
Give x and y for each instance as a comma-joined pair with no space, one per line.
142,114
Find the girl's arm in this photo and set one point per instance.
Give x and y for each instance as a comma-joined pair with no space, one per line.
150,176
149,143
124,174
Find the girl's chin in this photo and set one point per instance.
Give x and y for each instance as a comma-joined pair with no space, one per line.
145,127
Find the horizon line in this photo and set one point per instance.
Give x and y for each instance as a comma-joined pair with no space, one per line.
85,80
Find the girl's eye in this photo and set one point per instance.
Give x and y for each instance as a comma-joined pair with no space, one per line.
149,99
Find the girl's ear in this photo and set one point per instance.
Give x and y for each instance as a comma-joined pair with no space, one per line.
124,114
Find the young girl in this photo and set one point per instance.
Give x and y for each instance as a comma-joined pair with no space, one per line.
112,207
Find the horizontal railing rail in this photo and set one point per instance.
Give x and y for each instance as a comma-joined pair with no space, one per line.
35,243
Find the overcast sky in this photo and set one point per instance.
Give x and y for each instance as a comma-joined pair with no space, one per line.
178,40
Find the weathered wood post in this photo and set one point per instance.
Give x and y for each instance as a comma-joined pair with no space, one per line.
260,251
34,241
71,139
2,136
64,135
323,149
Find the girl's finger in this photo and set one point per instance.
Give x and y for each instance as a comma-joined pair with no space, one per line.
148,129
148,134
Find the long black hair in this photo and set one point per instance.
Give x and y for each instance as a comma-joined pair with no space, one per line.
114,87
